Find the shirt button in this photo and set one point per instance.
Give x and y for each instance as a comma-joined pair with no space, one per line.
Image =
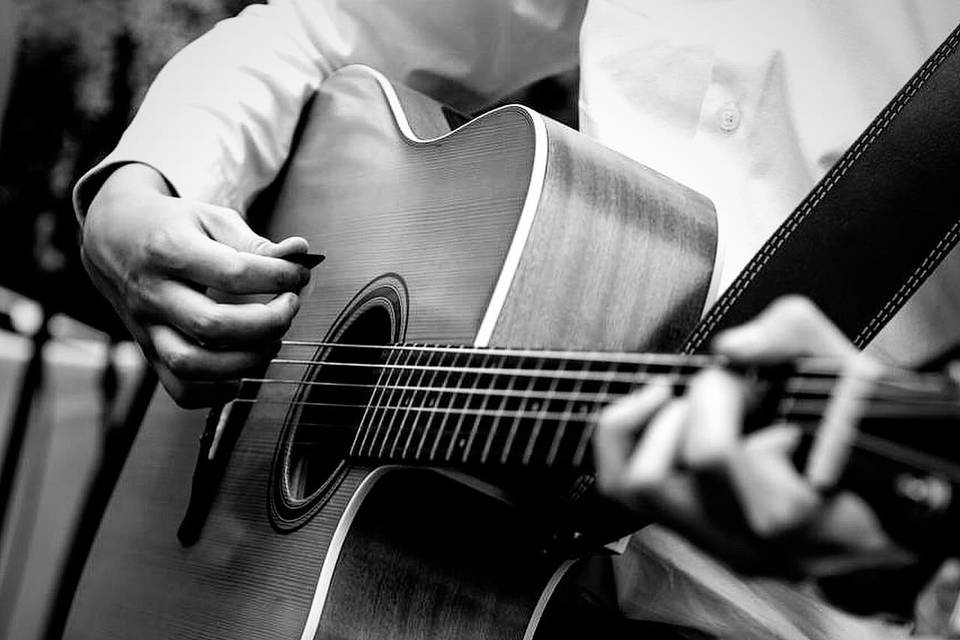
729,117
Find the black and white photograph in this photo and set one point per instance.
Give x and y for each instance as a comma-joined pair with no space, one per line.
479,319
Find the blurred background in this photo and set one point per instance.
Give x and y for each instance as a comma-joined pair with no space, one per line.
75,71
72,73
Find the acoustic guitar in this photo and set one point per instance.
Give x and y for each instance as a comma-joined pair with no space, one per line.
415,461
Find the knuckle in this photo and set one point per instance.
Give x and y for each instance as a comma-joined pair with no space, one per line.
209,325
161,247
259,244
234,270
133,302
134,297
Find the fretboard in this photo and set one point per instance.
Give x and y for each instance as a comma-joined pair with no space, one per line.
465,406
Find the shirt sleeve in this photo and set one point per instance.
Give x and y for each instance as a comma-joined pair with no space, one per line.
219,119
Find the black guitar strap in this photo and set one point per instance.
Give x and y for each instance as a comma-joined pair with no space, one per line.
870,232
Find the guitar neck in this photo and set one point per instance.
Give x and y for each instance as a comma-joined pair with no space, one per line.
460,406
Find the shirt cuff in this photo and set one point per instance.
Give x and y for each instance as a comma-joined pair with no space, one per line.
184,179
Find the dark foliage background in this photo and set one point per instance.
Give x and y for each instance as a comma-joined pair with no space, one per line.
82,66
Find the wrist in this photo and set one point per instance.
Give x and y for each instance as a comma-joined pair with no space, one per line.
133,178
124,185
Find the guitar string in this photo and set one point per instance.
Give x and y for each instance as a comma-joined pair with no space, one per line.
804,408
795,389
807,367
810,364
893,451
929,382
792,389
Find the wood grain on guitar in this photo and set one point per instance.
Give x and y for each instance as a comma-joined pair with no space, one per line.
512,231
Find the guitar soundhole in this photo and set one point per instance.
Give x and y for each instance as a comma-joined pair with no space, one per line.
326,412
334,403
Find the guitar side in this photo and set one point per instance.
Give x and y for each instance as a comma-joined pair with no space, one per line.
509,231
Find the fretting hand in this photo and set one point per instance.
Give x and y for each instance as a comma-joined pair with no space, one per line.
684,461
162,261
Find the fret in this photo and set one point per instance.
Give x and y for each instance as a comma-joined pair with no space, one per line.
453,396
432,401
542,409
395,400
567,414
497,416
376,401
483,418
455,439
424,381
604,392
407,399
521,408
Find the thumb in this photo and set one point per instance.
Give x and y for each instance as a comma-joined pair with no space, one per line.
791,327
230,228
286,247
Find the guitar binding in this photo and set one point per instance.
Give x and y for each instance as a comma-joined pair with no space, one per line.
309,464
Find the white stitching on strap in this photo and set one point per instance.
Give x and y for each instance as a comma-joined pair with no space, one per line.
908,287
780,236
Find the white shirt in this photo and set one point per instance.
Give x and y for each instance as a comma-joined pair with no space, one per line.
746,101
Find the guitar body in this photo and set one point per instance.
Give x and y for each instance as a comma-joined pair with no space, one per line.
509,231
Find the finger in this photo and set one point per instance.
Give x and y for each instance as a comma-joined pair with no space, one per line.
191,362
774,498
207,262
215,324
655,455
616,432
838,429
195,394
938,606
717,405
789,328
229,227
189,395
846,524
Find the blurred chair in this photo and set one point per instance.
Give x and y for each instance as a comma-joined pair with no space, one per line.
60,457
